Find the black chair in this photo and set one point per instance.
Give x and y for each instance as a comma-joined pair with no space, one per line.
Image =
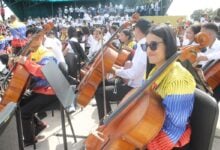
64,69
203,121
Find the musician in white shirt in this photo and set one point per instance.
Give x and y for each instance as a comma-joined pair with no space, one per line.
213,49
97,43
116,88
212,52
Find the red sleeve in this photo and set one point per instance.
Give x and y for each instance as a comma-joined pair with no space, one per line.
34,69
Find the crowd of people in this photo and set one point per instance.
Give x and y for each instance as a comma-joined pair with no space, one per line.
74,43
149,9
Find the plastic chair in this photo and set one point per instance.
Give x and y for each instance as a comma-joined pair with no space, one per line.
203,121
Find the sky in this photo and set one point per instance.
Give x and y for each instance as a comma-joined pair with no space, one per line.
186,7
8,12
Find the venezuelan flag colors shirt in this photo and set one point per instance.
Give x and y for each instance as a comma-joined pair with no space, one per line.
176,86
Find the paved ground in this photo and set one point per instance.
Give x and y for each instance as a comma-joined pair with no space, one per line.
83,122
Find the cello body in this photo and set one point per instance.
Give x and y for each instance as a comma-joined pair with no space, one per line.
16,86
136,126
93,77
212,75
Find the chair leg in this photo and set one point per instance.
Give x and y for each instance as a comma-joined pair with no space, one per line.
71,126
19,129
52,111
34,145
63,127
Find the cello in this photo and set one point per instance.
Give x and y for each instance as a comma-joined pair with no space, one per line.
20,78
140,111
101,64
212,74
188,58
189,52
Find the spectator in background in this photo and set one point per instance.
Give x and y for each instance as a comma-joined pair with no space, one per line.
52,43
18,31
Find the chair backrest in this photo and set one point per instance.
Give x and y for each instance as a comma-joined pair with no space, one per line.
64,91
64,68
203,121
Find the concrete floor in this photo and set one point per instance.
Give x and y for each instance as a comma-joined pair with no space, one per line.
84,122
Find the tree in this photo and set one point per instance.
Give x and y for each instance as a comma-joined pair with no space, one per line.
197,14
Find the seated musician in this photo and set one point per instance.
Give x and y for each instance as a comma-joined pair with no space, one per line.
126,38
97,43
73,53
191,31
212,52
175,86
116,88
42,94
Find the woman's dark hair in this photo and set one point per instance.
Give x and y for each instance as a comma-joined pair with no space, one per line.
32,31
71,32
168,37
128,33
195,28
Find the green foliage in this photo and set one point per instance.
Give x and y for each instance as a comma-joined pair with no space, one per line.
197,14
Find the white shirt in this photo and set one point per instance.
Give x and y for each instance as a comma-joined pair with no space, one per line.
212,53
55,45
136,73
107,36
94,48
69,47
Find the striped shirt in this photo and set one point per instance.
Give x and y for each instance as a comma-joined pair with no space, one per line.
176,86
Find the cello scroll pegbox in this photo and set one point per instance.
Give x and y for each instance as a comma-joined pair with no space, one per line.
47,27
202,39
134,18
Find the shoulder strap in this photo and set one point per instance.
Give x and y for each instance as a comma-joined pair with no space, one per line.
77,48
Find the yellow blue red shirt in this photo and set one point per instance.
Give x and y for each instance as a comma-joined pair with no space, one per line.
176,86
34,64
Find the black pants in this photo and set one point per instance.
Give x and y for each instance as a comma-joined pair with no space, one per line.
115,90
31,105
73,64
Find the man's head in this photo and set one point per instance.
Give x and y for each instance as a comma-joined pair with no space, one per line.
211,29
141,29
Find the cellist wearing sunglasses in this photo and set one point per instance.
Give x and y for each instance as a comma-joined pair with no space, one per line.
176,88
134,124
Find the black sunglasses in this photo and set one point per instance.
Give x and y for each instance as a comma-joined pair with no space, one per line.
153,46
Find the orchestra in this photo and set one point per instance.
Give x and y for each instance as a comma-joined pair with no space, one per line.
130,63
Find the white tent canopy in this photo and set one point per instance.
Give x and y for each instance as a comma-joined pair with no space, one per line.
186,7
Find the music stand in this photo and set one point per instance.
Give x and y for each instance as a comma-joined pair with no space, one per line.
64,91
9,122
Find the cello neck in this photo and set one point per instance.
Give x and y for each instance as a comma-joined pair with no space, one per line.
140,90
